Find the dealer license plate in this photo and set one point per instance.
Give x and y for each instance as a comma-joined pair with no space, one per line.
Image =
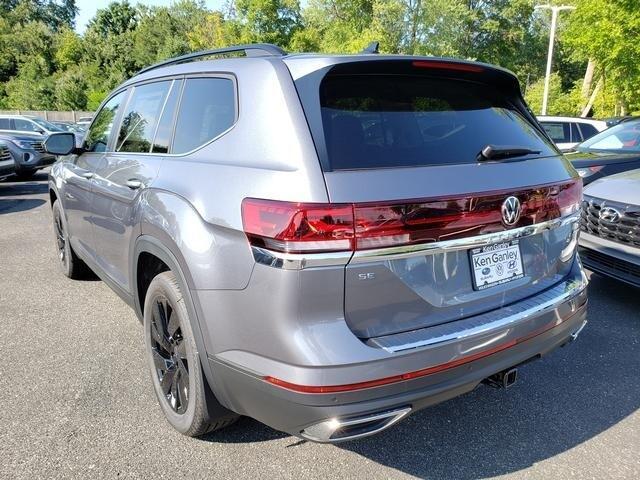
496,264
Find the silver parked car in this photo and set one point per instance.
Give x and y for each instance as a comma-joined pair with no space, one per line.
324,243
610,239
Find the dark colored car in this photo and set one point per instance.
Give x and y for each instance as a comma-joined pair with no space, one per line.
610,238
28,152
325,243
613,121
7,162
615,150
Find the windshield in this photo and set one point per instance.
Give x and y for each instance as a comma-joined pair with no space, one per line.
379,121
47,126
624,137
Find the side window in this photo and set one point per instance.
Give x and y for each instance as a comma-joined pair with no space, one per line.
97,137
165,128
25,125
558,131
5,124
141,117
207,108
575,133
587,130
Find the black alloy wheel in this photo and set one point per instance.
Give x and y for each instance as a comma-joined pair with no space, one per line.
169,352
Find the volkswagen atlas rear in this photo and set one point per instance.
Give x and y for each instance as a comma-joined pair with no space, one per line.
339,241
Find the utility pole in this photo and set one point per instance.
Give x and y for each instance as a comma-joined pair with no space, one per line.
554,22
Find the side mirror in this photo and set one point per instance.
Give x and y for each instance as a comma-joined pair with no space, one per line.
61,143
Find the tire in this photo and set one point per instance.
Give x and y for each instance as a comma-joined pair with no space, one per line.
178,381
69,262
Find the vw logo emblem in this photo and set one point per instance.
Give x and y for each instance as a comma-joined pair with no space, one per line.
609,214
510,211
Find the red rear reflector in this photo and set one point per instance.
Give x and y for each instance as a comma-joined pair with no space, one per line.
415,374
311,227
389,380
460,67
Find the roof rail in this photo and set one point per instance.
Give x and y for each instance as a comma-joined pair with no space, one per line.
250,50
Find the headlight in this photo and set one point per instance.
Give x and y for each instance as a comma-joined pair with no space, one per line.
22,144
588,171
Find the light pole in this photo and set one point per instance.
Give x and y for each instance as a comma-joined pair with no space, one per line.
554,21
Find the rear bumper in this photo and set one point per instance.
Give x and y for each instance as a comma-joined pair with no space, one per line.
434,373
615,260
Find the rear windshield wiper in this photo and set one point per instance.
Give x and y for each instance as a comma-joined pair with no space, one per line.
500,152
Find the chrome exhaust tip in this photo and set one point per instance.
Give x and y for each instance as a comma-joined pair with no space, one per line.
575,334
336,430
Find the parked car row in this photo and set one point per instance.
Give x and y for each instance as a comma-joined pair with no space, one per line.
22,140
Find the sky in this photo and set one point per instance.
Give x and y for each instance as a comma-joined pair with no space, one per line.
88,8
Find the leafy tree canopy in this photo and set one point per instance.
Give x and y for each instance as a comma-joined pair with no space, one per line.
44,63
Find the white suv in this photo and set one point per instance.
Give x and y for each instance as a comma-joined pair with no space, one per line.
567,132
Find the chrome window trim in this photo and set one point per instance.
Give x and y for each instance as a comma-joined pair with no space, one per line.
300,261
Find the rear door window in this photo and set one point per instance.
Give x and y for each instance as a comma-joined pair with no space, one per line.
560,132
587,130
141,117
379,121
207,109
162,140
575,133
5,124
26,126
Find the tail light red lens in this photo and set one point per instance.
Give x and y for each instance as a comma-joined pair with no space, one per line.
298,227
310,227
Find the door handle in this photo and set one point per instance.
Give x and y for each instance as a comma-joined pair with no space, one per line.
134,183
88,175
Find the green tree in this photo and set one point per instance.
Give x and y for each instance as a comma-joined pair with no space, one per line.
607,31
70,90
32,88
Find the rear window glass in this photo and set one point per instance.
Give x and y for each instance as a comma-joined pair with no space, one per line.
378,121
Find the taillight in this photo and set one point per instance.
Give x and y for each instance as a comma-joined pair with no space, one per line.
570,197
311,227
298,227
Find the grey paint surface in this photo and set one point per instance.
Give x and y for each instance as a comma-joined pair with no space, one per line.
269,321
622,187
99,417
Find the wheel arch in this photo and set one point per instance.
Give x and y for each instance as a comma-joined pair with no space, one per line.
149,245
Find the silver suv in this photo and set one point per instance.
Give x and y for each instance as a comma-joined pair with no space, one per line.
324,243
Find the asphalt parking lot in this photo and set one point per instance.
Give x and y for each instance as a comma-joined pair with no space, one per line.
77,401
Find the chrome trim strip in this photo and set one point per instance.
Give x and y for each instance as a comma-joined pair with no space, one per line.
392,253
323,431
300,261
573,289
